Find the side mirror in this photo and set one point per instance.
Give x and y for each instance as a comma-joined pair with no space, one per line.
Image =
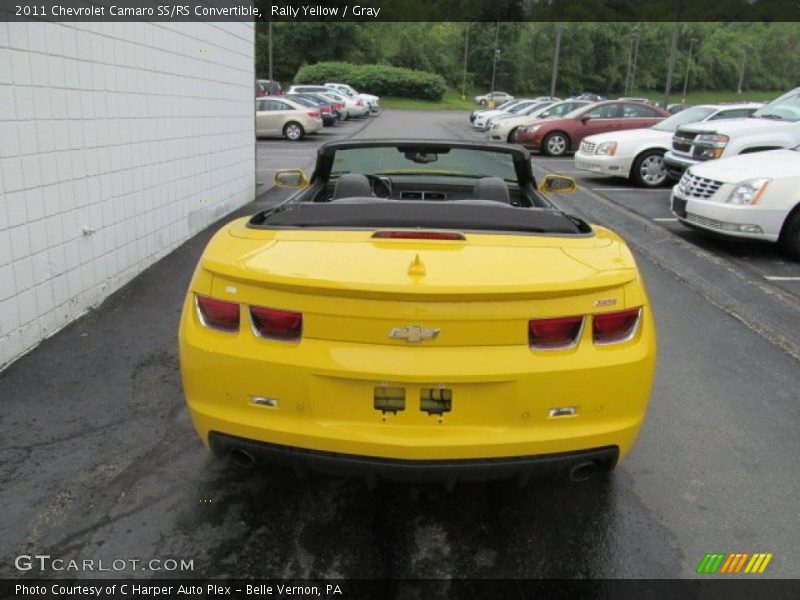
291,178
585,119
557,184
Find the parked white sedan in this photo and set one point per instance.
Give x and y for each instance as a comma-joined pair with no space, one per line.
638,154
748,196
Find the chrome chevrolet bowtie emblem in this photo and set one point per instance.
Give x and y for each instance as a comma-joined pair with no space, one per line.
414,333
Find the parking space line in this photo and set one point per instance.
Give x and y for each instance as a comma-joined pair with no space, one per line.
780,278
665,219
637,190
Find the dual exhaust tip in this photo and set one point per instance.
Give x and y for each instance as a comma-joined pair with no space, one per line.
578,473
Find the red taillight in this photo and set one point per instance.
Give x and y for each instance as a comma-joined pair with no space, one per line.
314,114
615,327
418,235
277,324
218,314
552,334
326,110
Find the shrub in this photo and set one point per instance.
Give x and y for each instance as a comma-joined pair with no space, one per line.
381,80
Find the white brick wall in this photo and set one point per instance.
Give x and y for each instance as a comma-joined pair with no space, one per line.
118,141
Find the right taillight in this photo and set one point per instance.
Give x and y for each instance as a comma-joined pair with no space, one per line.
556,333
615,327
277,324
218,314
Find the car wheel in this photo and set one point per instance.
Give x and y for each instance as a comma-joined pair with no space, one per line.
293,131
649,169
512,135
482,102
790,236
556,144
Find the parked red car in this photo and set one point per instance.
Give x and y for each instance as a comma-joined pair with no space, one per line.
556,137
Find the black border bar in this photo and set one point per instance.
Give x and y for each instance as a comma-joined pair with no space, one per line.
400,10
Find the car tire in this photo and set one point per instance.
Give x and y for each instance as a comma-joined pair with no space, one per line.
482,102
511,135
649,169
293,131
790,235
556,144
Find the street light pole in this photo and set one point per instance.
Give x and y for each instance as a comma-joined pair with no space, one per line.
745,51
635,58
494,62
692,42
269,36
466,54
559,31
673,50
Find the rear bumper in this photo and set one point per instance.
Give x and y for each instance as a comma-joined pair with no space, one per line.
512,467
618,166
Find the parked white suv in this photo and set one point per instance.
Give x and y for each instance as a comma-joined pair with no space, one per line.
373,102
638,154
775,125
748,196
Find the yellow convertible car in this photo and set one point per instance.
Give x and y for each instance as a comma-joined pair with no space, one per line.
418,310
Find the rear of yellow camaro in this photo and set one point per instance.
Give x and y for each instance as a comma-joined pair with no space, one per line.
474,357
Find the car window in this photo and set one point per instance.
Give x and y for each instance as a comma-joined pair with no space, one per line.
276,105
261,105
562,109
615,110
690,115
785,108
636,111
736,113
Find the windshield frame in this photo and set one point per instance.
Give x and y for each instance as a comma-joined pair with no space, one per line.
766,109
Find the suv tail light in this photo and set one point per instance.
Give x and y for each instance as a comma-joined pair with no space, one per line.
554,334
615,327
326,110
314,114
218,314
276,324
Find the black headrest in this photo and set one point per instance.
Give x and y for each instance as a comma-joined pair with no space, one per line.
491,188
352,185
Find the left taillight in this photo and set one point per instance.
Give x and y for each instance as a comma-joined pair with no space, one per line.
277,324
218,314
314,114
554,334
615,327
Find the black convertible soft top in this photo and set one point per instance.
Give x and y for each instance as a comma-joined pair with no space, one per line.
465,215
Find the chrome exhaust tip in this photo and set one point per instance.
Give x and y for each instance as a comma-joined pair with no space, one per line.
241,458
583,471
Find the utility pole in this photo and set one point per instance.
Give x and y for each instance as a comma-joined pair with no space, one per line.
494,63
746,49
692,42
466,54
673,50
559,31
627,85
635,32
269,35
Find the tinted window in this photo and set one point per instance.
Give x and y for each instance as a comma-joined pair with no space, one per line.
737,113
614,110
276,105
636,111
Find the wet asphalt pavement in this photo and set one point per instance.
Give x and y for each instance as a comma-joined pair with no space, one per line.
99,459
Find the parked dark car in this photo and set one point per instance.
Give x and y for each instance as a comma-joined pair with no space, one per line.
268,87
325,108
337,108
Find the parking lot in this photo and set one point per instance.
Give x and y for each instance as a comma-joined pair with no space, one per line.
764,261
109,466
